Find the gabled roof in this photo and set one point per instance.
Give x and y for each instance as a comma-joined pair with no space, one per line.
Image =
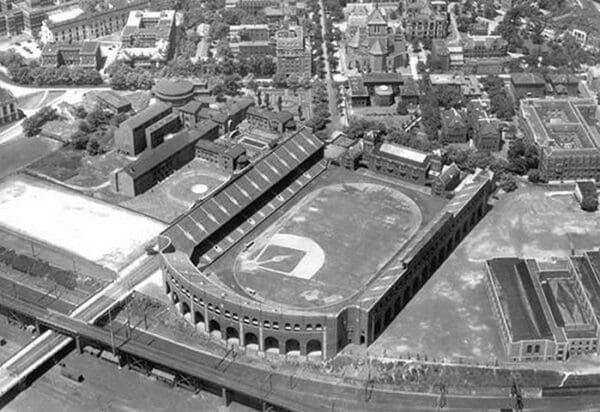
192,107
527,79
376,17
377,48
355,41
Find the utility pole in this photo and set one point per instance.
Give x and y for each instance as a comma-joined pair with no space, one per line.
112,335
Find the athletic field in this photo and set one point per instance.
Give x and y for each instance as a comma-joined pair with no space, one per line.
327,245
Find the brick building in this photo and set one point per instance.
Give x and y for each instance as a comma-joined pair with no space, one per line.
375,46
147,39
454,127
9,112
396,160
109,100
277,122
157,164
131,137
72,24
426,19
528,85
546,310
86,54
293,52
229,158
565,133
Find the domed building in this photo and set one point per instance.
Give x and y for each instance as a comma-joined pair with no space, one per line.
174,92
375,46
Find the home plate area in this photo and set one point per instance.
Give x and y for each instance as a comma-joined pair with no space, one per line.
289,255
328,245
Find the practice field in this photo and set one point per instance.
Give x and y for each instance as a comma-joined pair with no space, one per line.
327,245
174,195
96,231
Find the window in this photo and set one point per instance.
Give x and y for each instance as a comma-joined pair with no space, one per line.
536,349
529,348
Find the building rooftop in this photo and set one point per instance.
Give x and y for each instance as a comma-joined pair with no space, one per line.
403,152
146,115
6,96
152,158
521,305
527,79
112,98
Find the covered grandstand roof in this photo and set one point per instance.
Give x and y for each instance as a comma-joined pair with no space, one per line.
206,218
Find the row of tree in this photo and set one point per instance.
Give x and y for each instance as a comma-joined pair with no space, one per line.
33,74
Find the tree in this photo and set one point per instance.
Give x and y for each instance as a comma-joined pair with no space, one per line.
402,107
279,80
33,125
502,106
93,147
534,176
79,140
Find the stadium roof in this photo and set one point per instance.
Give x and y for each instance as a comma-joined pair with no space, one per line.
206,218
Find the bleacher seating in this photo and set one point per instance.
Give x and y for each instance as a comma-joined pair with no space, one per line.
205,219
267,210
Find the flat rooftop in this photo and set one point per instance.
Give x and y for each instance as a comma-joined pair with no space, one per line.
562,123
520,302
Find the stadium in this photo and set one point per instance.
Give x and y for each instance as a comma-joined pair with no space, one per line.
295,257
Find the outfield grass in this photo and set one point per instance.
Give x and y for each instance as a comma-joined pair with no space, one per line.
357,226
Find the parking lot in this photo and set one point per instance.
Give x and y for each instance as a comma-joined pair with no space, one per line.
26,46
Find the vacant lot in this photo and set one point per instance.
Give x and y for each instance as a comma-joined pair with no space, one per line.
107,235
20,152
77,168
451,316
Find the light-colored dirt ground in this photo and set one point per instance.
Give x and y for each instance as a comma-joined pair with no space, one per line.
94,230
451,316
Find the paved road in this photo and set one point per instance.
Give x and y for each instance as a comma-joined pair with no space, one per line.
335,116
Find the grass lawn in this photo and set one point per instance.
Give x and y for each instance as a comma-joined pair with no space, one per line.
18,153
178,192
62,164
451,316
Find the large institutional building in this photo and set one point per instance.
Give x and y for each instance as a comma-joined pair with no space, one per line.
147,40
373,45
546,310
426,19
293,52
72,24
565,131
196,249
